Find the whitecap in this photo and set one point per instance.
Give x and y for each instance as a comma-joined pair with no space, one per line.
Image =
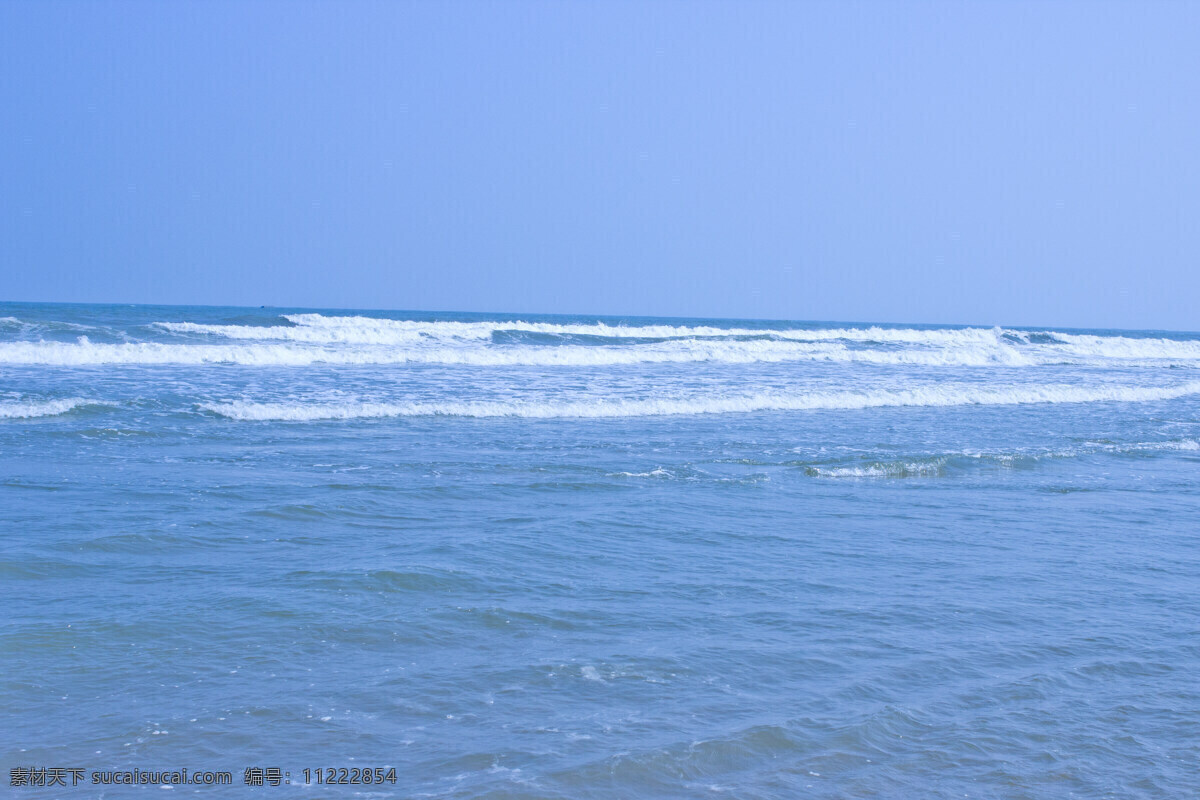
926,396
31,409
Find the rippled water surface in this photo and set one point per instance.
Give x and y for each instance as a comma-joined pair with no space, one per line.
591,558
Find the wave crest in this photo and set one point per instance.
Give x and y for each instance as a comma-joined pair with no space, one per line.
929,396
30,409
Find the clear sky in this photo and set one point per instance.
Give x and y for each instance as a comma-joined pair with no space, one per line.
983,162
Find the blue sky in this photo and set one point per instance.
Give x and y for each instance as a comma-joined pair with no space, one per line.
986,162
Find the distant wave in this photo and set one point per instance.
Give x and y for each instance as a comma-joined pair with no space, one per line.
1088,350
45,325
366,331
29,409
932,396
301,339
84,352
317,328
308,339
936,465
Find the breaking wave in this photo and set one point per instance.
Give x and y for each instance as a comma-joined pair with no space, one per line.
317,328
84,352
938,465
930,396
30,409
303,339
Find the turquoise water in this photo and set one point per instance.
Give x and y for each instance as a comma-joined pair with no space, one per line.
574,557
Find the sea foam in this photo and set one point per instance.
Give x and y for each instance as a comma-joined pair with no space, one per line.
304,339
84,352
927,396
30,409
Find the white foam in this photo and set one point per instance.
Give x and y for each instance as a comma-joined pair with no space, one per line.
30,409
319,339
591,673
1122,347
896,469
933,465
370,327
928,396
1174,444
84,352
367,332
318,328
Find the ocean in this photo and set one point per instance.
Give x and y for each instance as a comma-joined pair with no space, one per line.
524,556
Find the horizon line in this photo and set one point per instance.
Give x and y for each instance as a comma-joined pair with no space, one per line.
602,316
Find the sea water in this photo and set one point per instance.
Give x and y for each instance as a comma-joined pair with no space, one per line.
575,557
